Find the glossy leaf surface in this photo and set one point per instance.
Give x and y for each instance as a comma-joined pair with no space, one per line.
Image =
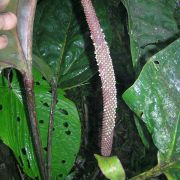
150,24
61,40
14,129
111,167
155,98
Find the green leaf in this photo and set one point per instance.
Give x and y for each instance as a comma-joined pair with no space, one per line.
177,13
151,26
155,98
14,129
61,40
141,132
111,167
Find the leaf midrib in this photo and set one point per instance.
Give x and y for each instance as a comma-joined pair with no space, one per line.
58,75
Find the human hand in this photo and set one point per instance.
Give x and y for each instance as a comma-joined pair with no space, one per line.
8,21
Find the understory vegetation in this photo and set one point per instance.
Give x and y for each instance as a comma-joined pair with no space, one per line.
143,37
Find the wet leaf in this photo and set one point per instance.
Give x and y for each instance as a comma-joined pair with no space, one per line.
155,98
14,129
61,40
151,26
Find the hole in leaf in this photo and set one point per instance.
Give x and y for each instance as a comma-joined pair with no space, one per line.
63,111
60,175
41,121
63,161
18,119
21,162
141,114
29,166
1,107
23,150
44,78
46,104
66,125
156,62
68,132
37,83
71,171
45,148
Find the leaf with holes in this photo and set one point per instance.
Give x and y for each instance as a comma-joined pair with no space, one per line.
155,98
18,55
61,41
14,129
151,26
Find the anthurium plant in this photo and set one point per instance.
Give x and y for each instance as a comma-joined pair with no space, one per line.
86,77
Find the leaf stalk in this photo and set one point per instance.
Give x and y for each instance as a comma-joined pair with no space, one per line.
155,171
30,99
50,128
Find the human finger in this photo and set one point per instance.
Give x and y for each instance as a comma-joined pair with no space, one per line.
3,41
7,21
3,4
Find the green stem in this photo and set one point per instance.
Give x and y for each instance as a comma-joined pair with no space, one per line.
155,171
50,128
148,174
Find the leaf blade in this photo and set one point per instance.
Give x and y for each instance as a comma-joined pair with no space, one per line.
61,40
15,133
111,167
156,94
151,24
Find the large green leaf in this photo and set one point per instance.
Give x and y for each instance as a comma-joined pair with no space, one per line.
61,40
14,129
155,98
151,23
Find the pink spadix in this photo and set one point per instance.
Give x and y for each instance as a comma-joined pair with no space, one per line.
106,73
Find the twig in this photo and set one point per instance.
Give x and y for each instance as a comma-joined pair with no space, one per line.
50,128
20,173
95,174
155,171
86,119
